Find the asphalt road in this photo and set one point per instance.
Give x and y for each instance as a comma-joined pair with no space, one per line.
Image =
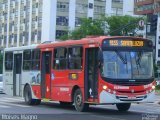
14,108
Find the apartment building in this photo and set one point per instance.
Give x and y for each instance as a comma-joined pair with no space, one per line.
26,22
147,7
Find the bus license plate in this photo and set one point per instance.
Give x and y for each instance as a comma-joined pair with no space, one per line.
132,97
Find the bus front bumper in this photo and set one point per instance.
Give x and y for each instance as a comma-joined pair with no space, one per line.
109,98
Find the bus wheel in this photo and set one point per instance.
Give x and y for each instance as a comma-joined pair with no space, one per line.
28,97
65,103
123,106
78,101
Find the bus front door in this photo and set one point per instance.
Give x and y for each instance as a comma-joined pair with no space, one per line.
91,73
17,78
46,74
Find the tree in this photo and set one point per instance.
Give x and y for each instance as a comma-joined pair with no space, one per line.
88,27
122,25
114,26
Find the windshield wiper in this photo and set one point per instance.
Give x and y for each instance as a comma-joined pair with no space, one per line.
138,60
121,57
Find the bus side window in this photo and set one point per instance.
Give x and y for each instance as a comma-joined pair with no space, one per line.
35,59
75,58
8,61
27,61
60,58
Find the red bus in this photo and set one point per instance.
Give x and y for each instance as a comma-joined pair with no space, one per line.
91,71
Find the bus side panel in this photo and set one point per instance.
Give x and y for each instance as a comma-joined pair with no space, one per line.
61,94
36,90
8,82
60,89
32,78
62,85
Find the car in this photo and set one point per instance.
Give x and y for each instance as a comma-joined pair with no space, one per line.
1,84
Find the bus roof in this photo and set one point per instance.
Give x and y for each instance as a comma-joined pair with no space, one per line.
87,40
21,48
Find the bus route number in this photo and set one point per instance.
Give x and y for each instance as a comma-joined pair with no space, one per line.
113,42
126,43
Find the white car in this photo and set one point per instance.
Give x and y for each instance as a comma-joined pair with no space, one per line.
1,84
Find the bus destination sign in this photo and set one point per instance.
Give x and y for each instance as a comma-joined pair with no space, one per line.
126,43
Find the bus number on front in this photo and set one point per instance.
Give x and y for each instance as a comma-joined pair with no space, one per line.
113,42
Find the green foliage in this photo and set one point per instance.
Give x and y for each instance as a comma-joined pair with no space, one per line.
64,37
122,25
114,26
158,87
88,27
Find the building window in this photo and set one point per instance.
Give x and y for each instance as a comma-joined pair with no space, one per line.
81,8
90,5
99,9
62,6
62,20
60,33
159,53
75,58
101,0
78,22
117,1
8,61
39,35
60,61
117,11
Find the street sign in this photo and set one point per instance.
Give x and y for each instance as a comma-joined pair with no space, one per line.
141,23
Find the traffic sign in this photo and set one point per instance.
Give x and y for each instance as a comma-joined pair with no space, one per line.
141,23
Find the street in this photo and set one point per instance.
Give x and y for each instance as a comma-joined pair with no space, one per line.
15,108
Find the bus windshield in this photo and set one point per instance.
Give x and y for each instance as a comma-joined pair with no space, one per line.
127,65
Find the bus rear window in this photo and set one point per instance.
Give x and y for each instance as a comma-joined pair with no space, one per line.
8,61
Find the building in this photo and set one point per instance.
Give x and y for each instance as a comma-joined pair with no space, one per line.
25,22
150,8
147,7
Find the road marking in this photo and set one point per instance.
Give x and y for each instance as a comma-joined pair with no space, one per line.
3,106
13,104
16,99
11,99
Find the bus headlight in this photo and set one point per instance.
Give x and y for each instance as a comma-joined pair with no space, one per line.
104,87
153,87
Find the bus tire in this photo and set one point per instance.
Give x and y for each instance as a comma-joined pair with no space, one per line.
78,102
28,97
123,106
